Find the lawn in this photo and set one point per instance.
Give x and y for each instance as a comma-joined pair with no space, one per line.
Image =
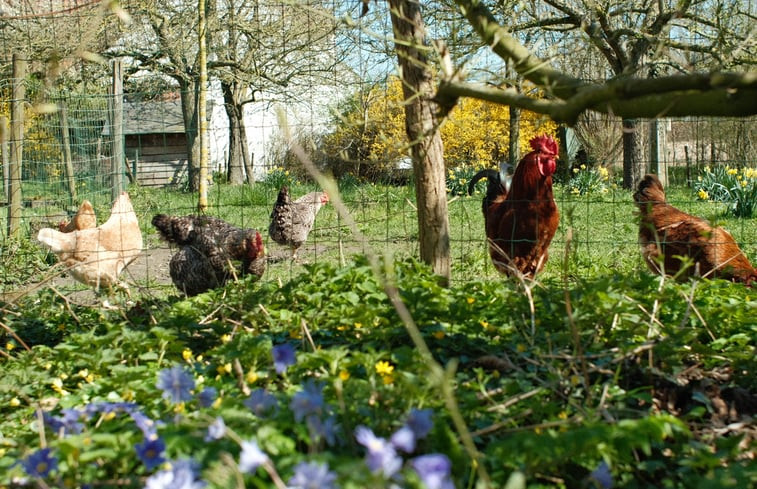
354,368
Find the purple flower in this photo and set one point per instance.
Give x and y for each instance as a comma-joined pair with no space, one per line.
419,420
404,439
283,357
176,384
207,396
308,401
216,430
40,463
147,426
312,475
381,455
602,475
67,423
434,470
150,452
182,475
323,428
261,403
251,457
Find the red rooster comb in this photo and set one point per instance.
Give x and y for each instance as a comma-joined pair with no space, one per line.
544,144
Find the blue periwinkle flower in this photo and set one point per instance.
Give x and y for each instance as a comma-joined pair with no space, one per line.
434,470
310,475
40,463
283,357
176,384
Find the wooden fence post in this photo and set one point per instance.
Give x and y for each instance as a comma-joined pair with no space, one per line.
16,145
4,157
68,163
117,131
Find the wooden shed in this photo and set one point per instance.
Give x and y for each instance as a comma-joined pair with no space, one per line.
155,142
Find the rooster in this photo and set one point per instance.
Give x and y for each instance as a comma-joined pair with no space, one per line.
521,218
83,219
97,256
291,222
666,234
207,246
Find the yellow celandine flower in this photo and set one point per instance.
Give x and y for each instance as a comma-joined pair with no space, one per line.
484,324
562,415
179,408
63,376
109,415
388,379
186,354
9,346
224,369
86,375
128,395
471,300
217,403
15,402
251,377
344,375
225,338
384,368
521,348
583,167
358,325
57,385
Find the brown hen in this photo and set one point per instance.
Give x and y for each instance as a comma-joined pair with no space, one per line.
83,219
667,234
521,217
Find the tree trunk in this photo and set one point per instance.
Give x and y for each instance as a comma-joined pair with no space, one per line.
189,92
237,162
633,163
426,143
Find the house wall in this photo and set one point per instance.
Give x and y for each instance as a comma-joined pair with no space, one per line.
160,159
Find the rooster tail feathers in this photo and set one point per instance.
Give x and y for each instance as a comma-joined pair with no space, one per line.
493,176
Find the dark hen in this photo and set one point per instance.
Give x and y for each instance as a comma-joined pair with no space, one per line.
208,246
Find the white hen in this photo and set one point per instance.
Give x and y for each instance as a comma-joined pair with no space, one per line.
97,256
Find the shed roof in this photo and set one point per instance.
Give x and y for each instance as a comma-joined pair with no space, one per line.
152,118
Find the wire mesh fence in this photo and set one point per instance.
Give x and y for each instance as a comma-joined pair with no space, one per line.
68,153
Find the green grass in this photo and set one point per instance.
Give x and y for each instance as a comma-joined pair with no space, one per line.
548,382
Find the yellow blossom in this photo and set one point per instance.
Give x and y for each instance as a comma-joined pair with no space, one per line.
224,369
344,375
9,346
217,403
562,415
732,171
15,402
703,194
186,354
438,334
251,377
57,385
109,415
358,325
521,348
128,395
388,379
583,167
179,408
484,324
471,300
225,338
603,172
384,368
